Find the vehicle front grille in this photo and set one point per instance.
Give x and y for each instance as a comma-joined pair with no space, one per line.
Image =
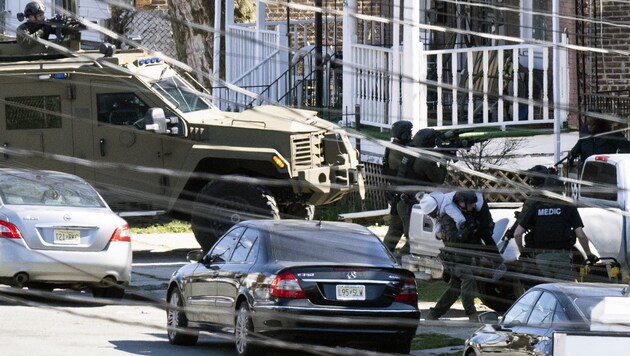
307,150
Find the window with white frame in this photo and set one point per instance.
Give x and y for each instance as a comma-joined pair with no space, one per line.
534,19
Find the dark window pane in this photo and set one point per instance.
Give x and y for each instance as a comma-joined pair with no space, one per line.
223,249
604,179
328,246
120,109
244,246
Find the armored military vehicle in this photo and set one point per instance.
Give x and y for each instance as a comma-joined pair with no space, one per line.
126,121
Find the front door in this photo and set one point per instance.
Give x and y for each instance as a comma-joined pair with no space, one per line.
126,158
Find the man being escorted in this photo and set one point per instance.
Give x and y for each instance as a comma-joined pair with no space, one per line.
462,248
553,228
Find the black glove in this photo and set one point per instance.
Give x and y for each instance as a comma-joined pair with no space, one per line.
591,259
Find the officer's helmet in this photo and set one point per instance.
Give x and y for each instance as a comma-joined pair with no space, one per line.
539,176
34,8
428,204
401,130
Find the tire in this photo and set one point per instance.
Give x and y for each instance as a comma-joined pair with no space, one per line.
222,204
114,292
499,295
176,321
299,211
243,332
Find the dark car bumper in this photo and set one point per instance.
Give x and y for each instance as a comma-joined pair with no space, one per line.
334,325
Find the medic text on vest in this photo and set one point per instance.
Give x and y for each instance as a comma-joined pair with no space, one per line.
549,211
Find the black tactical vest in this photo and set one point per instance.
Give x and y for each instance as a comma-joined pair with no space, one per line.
552,227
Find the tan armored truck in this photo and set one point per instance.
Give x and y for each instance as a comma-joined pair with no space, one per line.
149,141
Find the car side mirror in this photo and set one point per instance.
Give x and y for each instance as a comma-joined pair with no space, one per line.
489,318
195,256
155,120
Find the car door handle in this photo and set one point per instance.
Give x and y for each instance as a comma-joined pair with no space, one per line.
102,146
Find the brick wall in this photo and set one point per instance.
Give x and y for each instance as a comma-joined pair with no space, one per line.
614,68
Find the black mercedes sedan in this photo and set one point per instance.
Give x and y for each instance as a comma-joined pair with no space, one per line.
527,328
290,282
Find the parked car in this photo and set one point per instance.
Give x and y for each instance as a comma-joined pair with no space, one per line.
319,282
527,327
57,232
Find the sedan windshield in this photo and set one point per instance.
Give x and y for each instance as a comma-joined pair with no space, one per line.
185,98
49,191
328,246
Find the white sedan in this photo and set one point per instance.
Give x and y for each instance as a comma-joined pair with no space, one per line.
56,231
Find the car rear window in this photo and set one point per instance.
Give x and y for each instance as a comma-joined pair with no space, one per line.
328,246
47,191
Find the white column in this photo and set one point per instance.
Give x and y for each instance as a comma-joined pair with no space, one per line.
216,50
282,63
229,22
261,8
412,109
349,38
395,70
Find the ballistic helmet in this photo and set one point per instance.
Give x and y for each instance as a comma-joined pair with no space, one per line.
34,8
428,204
401,130
540,173
465,196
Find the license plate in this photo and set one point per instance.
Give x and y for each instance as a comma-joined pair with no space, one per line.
350,292
67,237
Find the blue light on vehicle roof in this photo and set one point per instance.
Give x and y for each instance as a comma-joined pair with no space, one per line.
152,60
141,62
60,75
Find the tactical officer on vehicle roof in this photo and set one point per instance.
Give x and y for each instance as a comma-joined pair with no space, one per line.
401,136
553,226
34,27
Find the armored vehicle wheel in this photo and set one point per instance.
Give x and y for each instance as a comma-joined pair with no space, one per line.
499,295
221,204
299,211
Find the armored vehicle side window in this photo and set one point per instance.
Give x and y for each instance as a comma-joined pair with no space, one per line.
33,112
185,98
121,109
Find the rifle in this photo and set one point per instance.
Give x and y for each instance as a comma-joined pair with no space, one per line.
62,26
509,234
452,140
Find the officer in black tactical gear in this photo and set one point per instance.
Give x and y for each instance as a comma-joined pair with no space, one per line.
463,249
553,227
401,136
414,171
34,27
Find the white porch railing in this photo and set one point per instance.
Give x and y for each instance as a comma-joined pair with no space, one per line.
479,86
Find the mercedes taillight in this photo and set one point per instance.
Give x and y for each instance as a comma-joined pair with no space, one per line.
408,292
286,286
